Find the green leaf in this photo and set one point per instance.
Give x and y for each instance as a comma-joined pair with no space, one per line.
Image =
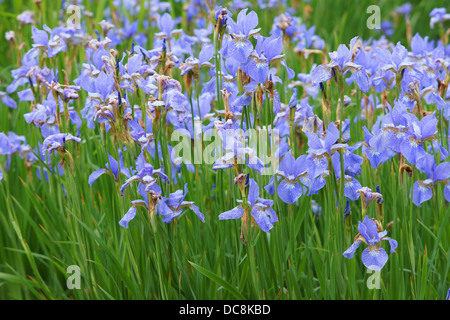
218,280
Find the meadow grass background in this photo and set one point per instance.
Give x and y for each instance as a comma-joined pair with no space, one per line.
44,229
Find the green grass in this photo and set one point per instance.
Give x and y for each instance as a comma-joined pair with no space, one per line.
44,228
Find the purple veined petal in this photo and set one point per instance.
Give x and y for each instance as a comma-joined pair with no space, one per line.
128,182
273,48
8,101
153,187
250,23
97,57
224,162
381,141
258,70
171,214
162,208
134,64
439,148
374,259
239,49
166,24
362,228
264,216
114,166
320,74
350,188
318,183
287,165
302,165
351,250
26,95
411,150
196,210
314,144
131,213
393,243
270,188
447,192
371,227
343,55
422,192
95,175
399,54
40,37
291,73
105,84
240,20
140,162
362,79
235,213
1,175
75,119
266,202
331,137
442,171
417,45
375,158
139,201
206,53
70,137
428,125
289,192
5,147
253,192
162,175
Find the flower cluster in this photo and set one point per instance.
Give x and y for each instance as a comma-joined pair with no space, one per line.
222,76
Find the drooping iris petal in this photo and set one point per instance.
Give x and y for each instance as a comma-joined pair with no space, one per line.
114,166
393,243
374,258
95,175
270,188
105,84
350,187
235,213
290,72
381,141
362,80
131,213
428,125
320,74
411,150
253,191
8,101
250,23
196,210
422,192
289,191
170,214
258,70
351,250
442,171
447,192
264,216
240,49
